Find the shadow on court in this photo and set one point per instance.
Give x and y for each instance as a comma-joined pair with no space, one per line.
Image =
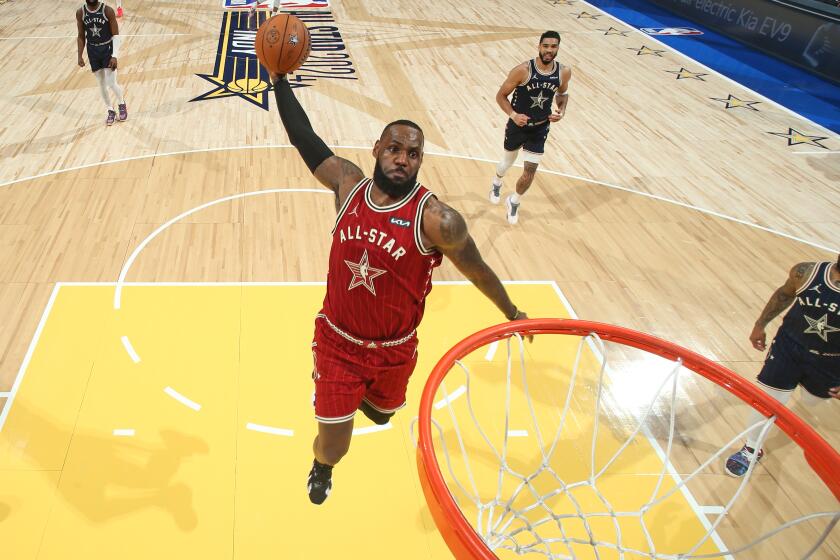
104,476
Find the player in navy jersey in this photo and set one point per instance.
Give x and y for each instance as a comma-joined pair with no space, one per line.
534,84
390,234
806,350
97,27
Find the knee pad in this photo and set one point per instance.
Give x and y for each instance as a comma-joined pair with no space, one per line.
508,159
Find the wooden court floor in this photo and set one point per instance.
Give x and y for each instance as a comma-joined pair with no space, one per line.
657,206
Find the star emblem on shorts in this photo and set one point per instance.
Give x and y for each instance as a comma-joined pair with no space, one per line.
94,31
795,137
820,327
363,273
539,100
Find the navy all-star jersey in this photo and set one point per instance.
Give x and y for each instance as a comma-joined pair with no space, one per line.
813,320
534,97
97,27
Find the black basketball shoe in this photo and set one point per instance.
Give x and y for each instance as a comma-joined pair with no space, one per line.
320,482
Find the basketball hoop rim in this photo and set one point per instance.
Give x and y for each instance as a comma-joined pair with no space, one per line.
462,539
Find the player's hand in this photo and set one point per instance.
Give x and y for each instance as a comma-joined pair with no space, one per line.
556,116
81,62
758,338
519,119
834,392
113,63
520,315
275,77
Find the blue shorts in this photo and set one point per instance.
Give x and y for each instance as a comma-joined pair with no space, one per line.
788,364
531,138
99,56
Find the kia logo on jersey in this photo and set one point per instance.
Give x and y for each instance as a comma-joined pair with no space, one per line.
400,222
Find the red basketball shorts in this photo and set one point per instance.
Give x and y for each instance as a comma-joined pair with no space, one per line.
346,373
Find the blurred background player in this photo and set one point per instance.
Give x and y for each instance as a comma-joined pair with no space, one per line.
806,350
534,85
98,28
274,5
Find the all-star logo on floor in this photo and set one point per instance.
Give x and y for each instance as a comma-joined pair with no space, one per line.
237,72
329,58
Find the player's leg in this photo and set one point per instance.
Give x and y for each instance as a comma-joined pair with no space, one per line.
512,201
330,445
514,138
106,97
339,389
111,81
386,393
779,377
532,151
252,11
376,415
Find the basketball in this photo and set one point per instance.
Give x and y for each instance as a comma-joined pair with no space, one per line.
282,43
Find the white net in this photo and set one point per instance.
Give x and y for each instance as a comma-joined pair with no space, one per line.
597,460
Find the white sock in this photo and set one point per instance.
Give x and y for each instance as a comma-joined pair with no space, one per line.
755,416
514,198
111,80
508,159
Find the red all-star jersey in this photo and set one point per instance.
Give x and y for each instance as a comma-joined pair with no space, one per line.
380,272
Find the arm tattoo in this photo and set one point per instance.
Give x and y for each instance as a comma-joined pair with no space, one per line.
349,170
784,296
453,228
779,301
802,271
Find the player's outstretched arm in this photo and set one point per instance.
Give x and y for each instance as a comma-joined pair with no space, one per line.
446,229
335,173
779,301
516,77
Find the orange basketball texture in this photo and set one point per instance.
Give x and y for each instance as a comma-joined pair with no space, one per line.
282,43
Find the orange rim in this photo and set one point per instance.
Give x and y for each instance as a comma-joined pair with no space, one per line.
459,535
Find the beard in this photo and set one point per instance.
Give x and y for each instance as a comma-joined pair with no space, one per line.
390,187
546,58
